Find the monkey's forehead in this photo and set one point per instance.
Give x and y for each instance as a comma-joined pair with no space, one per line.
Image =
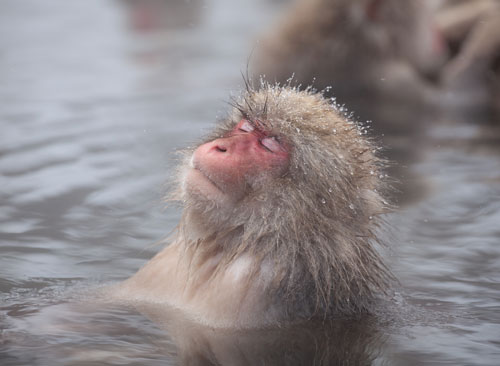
289,111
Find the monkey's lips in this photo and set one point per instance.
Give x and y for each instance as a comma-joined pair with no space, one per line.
199,172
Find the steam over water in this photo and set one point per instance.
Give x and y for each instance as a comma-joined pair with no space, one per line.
95,96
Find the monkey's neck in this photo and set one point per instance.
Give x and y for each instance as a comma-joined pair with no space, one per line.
209,229
198,282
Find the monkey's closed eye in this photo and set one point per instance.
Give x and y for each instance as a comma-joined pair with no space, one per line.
271,144
245,126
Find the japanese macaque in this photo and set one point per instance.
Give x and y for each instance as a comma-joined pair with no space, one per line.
456,18
363,49
473,29
282,204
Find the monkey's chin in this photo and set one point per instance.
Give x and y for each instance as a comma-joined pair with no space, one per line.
198,184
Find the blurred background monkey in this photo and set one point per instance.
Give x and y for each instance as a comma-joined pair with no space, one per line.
365,50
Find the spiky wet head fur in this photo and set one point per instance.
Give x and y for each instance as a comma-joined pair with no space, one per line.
314,227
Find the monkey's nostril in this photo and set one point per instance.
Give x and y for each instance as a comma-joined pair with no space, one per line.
220,148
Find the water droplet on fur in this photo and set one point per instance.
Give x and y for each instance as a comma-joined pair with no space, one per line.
351,206
323,201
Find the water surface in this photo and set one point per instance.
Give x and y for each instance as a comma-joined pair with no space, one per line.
95,97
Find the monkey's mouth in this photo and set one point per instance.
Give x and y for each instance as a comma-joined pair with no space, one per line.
207,177
195,166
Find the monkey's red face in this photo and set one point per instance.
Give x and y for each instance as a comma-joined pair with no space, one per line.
226,168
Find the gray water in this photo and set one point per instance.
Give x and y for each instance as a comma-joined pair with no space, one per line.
96,96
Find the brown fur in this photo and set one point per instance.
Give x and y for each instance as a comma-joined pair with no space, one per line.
308,236
474,29
456,18
336,43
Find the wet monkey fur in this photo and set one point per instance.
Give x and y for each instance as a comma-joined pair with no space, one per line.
281,208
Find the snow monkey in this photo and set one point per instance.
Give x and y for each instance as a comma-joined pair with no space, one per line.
281,208
363,49
473,29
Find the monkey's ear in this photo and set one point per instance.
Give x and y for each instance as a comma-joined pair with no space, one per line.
372,9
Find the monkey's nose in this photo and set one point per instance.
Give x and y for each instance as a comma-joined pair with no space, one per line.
220,148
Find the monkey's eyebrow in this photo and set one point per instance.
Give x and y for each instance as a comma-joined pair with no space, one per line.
240,108
263,124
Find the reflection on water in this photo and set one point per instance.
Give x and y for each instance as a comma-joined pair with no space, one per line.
353,342
95,96
76,334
